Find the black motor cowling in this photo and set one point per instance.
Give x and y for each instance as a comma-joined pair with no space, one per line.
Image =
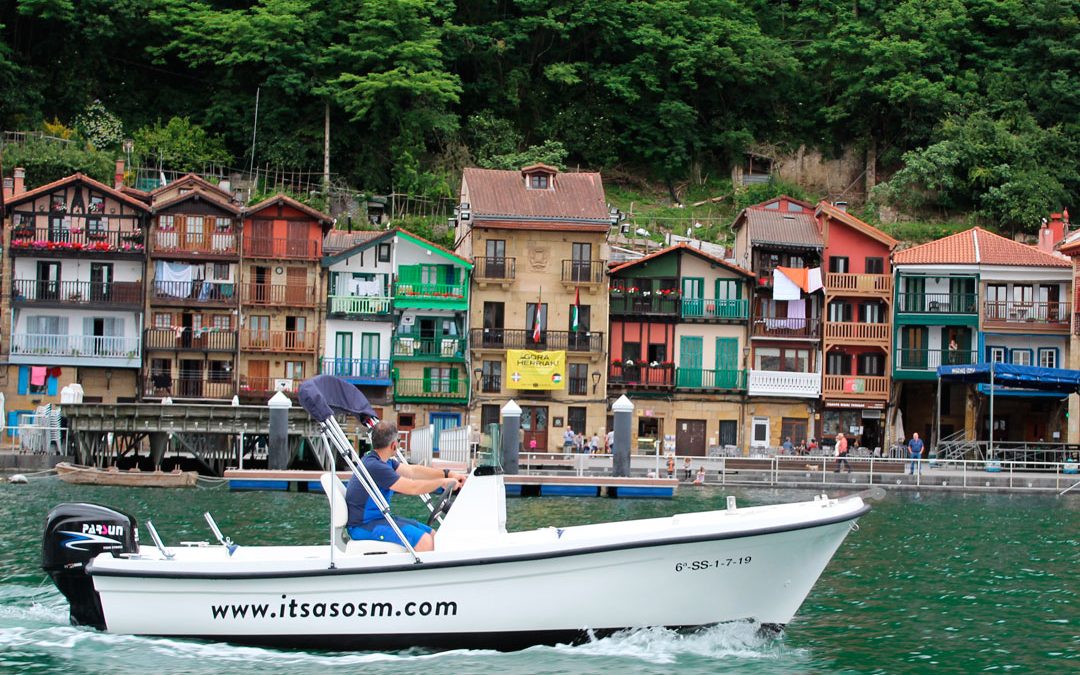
74,535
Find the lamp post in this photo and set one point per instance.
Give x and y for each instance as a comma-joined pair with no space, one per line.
595,380
478,373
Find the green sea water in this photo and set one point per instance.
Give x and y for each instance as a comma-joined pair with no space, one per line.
943,582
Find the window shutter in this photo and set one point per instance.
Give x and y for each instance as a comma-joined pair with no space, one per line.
24,380
51,383
453,380
427,380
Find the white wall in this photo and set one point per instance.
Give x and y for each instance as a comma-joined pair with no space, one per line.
78,269
335,326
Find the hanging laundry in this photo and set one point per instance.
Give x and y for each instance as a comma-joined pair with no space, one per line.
55,371
37,375
784,288
813,280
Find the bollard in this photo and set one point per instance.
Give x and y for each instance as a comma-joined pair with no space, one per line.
624,420
278,452
511,426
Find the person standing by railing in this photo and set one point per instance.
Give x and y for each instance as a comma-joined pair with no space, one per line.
841,453
915,448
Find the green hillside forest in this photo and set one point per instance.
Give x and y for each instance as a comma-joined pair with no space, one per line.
970,106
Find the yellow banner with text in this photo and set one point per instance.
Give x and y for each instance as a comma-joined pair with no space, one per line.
526,369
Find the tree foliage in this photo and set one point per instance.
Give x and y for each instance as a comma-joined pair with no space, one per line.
46,161
179,145
667,88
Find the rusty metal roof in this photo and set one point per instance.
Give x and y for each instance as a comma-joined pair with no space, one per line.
782,228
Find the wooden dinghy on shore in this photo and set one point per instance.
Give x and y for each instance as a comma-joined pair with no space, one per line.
88,475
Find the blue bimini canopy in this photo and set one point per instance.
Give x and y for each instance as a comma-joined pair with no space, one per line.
1057,380
324,394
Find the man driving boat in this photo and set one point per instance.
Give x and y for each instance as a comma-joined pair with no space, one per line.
365,520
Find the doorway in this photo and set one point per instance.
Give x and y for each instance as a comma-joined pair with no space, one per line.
442,421
534,424
690,437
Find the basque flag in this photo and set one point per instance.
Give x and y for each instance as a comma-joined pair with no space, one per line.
576,310
536,320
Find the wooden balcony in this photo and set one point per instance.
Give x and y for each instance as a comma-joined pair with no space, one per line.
701,309
281,248
431,296
360,306
862,285
416,348
157,386
198,292
862,387
923,363
710,380
279,295
52,242
203,340
262,387
357,371
858,333
652,306
643,377
180,243
429,390
790,327
781,383
299,342
937,303
77,294
1041,317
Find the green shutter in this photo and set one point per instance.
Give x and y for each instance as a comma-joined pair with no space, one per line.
427,380
453,380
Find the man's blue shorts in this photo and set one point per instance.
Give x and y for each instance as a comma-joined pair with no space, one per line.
380,530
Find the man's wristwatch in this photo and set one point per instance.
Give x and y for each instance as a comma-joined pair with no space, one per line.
446,473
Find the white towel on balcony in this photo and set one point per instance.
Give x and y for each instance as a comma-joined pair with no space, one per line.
813,280
784,288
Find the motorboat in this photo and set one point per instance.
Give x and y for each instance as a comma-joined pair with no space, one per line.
482,587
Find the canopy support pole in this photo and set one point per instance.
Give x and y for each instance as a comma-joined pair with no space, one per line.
991,411
937,417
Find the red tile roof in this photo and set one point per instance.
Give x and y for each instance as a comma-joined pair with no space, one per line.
292,203
977,247
689,249
198,193
77,177
494,193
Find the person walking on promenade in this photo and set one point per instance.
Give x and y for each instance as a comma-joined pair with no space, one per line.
841,453
568,440
671,466
915,448
686,470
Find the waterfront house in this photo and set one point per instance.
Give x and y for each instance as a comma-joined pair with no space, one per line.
678,339
977,297
857,326
539,304
193,298
281,296
780,242
77,263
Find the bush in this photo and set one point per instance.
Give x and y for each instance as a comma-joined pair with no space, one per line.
180,145
46,161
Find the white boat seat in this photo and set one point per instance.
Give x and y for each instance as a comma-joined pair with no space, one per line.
335,491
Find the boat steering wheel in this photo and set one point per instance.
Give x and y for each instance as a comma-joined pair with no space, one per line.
443,505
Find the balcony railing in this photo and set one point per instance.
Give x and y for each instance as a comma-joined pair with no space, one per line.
856,386
583,271
930,359
642,376
787,327
375,371
577,386
491,384
513,338
279,341
858,284
858,332
282,295
286,249
405,291
93,346
77,292
188,387
494,269
425,348
1029,314
199,339
198,291
76,240
778,383
180,241
261,386
938,303
715,310
693,378
653,305
359,305
431,389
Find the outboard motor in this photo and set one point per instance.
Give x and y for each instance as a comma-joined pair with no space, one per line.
74,535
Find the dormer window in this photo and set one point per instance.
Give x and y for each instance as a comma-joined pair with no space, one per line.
539,177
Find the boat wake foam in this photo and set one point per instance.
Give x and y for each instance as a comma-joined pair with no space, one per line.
742,639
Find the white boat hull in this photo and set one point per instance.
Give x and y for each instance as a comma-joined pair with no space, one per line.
521,588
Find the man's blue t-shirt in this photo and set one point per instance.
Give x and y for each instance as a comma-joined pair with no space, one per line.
361,507
915,445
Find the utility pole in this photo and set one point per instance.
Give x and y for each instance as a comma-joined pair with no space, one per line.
326,153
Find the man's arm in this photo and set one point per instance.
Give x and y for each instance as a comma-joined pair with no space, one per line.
416,479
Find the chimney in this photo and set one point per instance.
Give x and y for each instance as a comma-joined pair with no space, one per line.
841,206
9,188
1051,233
118,177
19,185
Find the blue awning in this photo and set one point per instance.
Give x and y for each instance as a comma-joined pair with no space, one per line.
1058,380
